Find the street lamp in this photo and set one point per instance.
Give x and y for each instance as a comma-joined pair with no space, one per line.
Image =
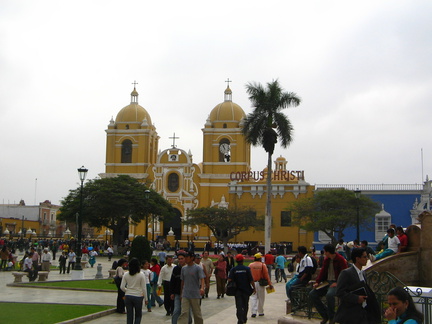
146,197
357,194
82,175
107,232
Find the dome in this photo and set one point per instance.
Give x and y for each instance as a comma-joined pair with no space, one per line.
227,110
133,113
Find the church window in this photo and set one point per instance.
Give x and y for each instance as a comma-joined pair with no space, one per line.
126,151
285,218
382,223
173,182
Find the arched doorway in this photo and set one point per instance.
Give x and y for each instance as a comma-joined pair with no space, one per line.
175,223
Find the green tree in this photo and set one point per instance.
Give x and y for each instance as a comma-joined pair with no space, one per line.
265,125
332,211
114,202
225,223
140,249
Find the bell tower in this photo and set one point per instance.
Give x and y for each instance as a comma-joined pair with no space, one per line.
225,149
132,141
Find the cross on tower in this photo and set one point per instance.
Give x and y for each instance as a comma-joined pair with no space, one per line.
228,81
174,138
135,83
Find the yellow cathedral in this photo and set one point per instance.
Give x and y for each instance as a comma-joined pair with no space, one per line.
224,177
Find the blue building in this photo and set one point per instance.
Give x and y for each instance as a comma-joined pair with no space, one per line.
401,204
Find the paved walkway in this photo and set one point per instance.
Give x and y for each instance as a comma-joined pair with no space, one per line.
214,310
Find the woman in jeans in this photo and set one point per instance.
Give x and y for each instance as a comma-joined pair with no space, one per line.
221,275
134,285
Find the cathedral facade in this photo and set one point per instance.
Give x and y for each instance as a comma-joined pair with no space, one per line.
224,177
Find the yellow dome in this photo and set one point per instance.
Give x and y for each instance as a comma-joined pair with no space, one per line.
133,113
227,110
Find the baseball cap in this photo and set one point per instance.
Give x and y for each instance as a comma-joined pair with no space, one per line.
239,257
258,255
197,256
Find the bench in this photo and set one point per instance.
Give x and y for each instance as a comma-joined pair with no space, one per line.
18,276
43,275
111,273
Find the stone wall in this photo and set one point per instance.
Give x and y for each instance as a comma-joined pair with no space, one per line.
404,266
414,268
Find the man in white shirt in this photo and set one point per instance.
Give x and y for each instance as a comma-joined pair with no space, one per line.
164,279
72,260
393,246
46,260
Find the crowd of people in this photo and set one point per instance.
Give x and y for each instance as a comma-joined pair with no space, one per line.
184,277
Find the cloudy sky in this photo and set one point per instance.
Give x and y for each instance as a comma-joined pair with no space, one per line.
362,69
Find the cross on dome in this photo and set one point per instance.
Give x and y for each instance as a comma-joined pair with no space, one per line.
174,138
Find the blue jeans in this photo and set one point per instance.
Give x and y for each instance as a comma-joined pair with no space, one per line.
330,293
384,254
154,297
133,304
289,285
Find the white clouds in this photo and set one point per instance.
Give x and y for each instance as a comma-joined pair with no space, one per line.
362,70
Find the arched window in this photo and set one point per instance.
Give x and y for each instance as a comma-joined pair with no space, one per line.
126,153
173,182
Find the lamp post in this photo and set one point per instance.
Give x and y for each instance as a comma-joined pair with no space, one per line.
107,233
22,227
146,197
82,175
357,194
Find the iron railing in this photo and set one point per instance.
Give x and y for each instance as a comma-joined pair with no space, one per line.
372,187
382,282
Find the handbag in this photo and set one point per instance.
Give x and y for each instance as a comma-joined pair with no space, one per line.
263,281
231,288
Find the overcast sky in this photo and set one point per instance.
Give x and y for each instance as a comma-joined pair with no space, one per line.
362,69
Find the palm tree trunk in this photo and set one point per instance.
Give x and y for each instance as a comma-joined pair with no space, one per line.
268,216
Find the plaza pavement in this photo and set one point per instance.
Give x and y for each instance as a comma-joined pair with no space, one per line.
214,310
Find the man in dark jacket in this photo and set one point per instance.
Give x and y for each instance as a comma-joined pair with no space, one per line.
358,304
325,283
175,286
242,276
230,262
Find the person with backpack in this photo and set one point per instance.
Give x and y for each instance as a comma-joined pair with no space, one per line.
325,283
305,271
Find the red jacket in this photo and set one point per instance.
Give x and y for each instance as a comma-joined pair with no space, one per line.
339,264
269,259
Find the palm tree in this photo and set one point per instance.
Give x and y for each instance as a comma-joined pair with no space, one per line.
265,125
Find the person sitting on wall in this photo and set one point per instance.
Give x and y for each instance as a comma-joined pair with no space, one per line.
326,282
369,250
304,270
403,238
393,246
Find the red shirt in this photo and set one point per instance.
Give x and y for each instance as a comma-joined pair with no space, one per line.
269,258
156,269
403,238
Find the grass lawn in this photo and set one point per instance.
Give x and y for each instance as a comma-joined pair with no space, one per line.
45,313
103,284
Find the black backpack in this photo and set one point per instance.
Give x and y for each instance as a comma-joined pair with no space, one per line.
315,264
